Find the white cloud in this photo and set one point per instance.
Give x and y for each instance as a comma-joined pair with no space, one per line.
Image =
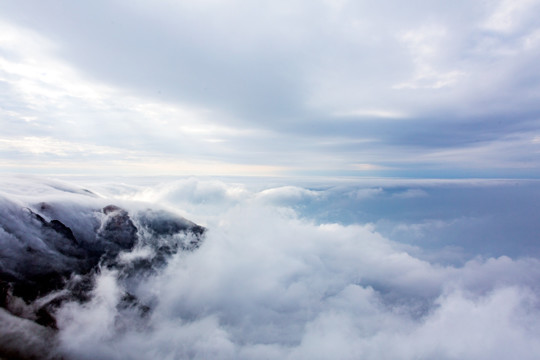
47,145
53,108
286,195
427,47
508,15
269,284
372,113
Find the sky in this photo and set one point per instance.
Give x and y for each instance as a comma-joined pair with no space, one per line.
432,89
327,146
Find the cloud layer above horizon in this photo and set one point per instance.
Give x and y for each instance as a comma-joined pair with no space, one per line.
430,89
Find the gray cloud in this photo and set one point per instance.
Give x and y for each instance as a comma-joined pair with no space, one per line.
302,87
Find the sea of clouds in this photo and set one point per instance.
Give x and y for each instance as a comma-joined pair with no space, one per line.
340,270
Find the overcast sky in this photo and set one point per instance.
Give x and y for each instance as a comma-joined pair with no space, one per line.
298,87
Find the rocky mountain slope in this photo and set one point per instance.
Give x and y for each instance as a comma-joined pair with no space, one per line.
55,237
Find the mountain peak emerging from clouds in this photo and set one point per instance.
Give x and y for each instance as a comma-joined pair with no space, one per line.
56,239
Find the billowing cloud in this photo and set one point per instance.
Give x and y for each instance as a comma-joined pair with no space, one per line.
274,280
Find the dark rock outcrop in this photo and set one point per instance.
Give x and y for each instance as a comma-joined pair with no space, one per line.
45,262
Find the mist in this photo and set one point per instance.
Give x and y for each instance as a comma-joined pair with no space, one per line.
274,279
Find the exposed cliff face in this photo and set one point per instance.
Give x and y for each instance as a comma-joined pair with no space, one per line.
50,251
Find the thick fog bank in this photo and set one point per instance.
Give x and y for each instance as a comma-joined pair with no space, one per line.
281,275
